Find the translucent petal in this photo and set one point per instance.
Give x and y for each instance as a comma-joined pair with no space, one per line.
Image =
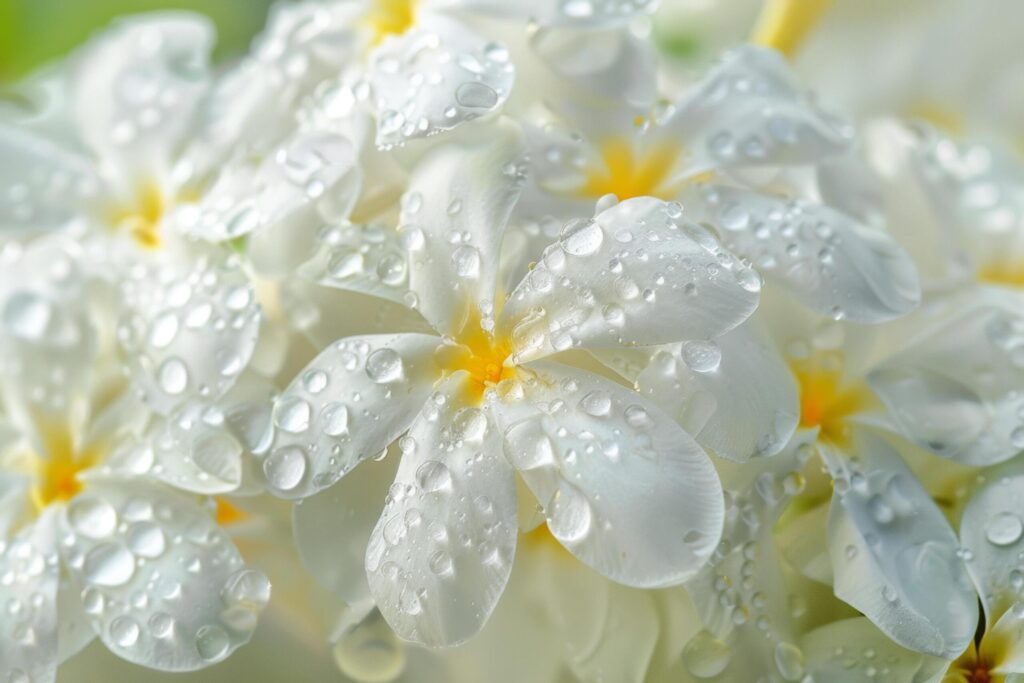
45,186
135,89
623,488
191,322
575,13
893,551
956,388
442,551
823,258
991,528
846,651
165,586
735,394
332,528
434,77
30,568
749,110
636,275
453,219
347,405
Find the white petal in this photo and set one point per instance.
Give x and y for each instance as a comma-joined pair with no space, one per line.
750,110
347,405
195,451
734,394
893,551
823,258
136,88
575,13
845,651
45,186
332,528
434,77
28,632
956,389
47,338
454,214
991,528
166,587
442,551
191,323
636,275
311,167
14,500
623,487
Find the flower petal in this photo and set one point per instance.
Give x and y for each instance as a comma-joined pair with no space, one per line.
844,651
136,88
956,389
333,527
442,551
434,77
823,258
166,587
454,215
991,528
893,551
311,167
750,110
347,405
191,323
636,275
734,394
45,187
28,632
623,488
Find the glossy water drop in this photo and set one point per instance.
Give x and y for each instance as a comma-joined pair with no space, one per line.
434,476
285,467
92,516
1004,529
109,564
466,262
384,366
124,631
476,95
212,642
702,356
569,516
173,376
292,414
581,237
705,656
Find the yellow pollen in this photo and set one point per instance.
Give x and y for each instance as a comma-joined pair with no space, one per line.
628,172
57,476
481,355
390,18
1003,272
943,118
227,513
975,665
824,401
142,221
784,24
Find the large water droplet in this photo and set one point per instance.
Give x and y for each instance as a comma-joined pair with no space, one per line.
92,516
173,376
466,262
124,631
702,356
285,467
569,515
109,564
292,413
434,476
476,95
1004,528
384,365
581,237
705,656
212,642
146,539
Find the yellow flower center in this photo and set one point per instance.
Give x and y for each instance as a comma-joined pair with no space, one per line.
482,355
390,18
57,476
975,665
784,24
142,219
825,401
228,513
628,172
943,118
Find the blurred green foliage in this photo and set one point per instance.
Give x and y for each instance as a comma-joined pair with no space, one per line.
33,32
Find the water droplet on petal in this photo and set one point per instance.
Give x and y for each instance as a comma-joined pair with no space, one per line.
285,467
1003,529
384,365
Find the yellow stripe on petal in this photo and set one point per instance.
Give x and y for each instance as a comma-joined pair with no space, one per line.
784,24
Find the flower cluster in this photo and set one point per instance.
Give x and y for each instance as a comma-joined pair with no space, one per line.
511,334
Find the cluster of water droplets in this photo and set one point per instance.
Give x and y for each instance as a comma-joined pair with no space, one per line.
160,582
426,83
449,517
604,276
191,326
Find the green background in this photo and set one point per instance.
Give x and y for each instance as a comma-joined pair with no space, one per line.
33,32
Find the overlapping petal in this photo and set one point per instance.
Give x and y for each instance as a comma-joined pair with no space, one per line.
623,487
347,405
165,586
442,551
638,274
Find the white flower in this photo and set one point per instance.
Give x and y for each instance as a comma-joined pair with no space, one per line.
587,448
94,542
719,150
